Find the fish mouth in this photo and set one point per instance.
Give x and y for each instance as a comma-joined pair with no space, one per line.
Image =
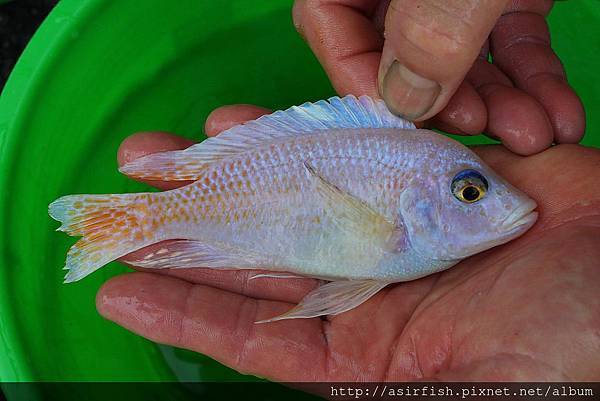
513,225
521,218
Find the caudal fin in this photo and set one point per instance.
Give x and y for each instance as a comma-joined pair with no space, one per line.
109,224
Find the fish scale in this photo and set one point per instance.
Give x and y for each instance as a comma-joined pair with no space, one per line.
282,198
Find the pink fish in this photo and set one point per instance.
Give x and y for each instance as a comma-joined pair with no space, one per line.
340,190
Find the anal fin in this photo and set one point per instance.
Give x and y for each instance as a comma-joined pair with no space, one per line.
332,298
190,254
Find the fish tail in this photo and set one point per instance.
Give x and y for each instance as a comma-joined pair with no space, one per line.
111,226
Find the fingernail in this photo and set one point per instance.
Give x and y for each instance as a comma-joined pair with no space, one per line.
408,94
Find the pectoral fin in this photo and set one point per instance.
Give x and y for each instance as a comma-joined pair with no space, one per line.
355,216
332,298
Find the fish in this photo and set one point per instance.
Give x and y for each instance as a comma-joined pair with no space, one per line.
341,190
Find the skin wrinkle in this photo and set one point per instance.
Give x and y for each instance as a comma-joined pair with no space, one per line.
341,3
530,29
546,74
504,267
246,329
457,13
410,318
388,361
526,14
514,8
523,74
359,373
517,355
329,319
336,361
448,349
450,346
325,39
450,290
181,332
462,311
457,42
386,372
417,358
545,364
422,308
465,305
551,224
529,39
346,57
327,358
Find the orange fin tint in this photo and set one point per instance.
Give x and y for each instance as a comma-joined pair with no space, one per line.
109,225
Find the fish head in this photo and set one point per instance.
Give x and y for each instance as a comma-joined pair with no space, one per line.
461,208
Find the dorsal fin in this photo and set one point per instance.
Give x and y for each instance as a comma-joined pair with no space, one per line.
347,112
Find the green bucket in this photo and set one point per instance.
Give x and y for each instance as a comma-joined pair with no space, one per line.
97,71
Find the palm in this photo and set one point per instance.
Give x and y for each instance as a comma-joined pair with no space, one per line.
520,312
527,310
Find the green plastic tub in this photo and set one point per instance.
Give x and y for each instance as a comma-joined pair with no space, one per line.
99,70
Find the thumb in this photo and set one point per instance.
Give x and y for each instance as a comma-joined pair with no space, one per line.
429,48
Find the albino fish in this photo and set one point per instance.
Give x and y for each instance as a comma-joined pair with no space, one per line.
340,190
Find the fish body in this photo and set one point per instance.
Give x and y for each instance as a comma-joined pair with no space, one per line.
339,190
264,203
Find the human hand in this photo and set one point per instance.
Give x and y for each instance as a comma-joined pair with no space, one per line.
528,310
442,73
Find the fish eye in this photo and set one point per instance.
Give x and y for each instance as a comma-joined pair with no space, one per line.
469,186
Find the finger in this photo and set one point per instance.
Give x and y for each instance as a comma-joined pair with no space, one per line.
514,117
145,143
430,46
344,39
229,116
466,113
217,323
517,119
520,43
